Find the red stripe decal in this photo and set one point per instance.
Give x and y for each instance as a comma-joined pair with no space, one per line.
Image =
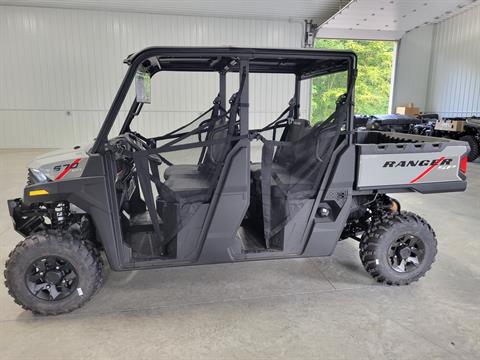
67,169
430,168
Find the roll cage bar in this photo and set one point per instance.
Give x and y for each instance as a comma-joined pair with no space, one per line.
303,63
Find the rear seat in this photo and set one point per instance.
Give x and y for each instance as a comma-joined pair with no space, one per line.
293,132
295,168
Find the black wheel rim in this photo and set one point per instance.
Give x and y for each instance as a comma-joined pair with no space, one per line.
406,253
51,278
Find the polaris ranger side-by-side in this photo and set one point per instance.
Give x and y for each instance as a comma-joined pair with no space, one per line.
126,196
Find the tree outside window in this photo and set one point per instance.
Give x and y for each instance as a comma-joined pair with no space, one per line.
372,88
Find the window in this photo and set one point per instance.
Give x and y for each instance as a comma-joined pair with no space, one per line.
372,88
325,91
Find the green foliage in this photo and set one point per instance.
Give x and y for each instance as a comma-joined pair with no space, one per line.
372,88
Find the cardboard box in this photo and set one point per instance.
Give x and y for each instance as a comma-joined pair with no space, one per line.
450,125
407,110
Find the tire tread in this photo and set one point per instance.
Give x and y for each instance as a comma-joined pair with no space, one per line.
83,250
372,240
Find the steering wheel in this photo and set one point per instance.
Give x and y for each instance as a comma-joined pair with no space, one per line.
136,142
123,146
149,143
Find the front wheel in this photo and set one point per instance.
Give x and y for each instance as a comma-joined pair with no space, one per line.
51,273
399,248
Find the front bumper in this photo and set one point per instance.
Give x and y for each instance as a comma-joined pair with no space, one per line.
25,220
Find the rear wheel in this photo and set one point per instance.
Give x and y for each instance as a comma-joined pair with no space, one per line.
399,248
51,273
474,146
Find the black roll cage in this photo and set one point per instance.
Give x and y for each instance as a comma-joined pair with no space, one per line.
303,63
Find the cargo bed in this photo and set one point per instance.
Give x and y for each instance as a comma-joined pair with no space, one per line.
396,162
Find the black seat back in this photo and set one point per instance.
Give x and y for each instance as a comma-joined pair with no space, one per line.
293,132
309,152
222,128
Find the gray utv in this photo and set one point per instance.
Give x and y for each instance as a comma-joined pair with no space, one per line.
128,197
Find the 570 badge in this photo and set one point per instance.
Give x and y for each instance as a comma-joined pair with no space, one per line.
66,168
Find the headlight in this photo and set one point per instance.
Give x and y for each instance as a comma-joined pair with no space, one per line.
36,176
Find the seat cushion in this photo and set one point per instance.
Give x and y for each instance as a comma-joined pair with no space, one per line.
282,179
180,170
190,188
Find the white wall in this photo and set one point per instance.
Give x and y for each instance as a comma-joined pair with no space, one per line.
412,68
438,66
454,87
60,70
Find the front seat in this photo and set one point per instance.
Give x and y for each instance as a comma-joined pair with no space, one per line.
214,153
196,182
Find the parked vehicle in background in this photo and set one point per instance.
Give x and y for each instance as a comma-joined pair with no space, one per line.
465,129
458,128
392,122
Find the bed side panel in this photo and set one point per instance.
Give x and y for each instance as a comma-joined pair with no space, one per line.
408,165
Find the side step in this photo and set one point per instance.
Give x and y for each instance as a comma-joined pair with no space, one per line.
251,241
142,223
141,239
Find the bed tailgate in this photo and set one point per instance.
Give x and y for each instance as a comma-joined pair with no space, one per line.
437,165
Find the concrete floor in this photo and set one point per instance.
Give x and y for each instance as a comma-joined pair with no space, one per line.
326,308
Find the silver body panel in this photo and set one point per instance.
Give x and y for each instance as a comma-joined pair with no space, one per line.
54,163
407,168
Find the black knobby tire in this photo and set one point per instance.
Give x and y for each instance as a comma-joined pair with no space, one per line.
474,146
376,247
84,259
